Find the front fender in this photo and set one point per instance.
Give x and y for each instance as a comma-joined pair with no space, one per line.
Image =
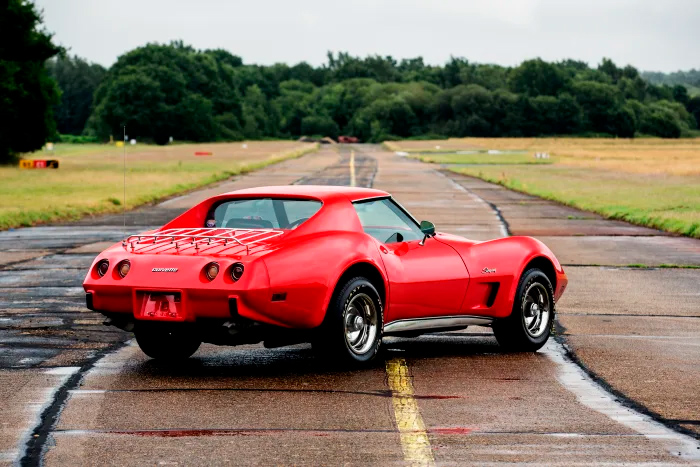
495,268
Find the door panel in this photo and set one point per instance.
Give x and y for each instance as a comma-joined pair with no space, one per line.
428,280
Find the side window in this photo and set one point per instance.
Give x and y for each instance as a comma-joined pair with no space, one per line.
385,221
299,211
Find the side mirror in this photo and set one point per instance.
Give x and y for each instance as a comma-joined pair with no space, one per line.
428,229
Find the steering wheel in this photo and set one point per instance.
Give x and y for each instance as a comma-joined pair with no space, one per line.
297,223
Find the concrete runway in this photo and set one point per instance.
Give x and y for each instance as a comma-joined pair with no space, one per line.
618,384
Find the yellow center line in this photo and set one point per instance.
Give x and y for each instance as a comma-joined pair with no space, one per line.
353,182
414,438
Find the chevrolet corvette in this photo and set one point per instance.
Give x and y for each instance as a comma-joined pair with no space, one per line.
339,267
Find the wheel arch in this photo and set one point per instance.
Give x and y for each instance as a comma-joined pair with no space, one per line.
363,269
545,265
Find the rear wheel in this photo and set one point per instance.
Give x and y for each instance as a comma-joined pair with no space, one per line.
166,341
352,329
529,325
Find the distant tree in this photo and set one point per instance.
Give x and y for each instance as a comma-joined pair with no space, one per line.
319,125
27,93
680,94
694,109
623,122
633,88
663,124
600,103
608,67
472,106
225,57
657,93
536,78
77,81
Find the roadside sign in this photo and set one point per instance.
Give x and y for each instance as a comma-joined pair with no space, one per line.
38,164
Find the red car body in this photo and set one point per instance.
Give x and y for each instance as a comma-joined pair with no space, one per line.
289,275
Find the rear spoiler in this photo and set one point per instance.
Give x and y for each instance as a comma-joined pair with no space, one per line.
211,240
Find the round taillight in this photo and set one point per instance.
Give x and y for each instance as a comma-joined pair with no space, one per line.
102,267
236,271
123,268
211,270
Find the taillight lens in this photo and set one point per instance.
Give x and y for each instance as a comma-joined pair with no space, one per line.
123,268
102,267
236,271
211,270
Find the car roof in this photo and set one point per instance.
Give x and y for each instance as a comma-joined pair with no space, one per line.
322,192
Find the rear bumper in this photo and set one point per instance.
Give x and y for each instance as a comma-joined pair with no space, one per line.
192,304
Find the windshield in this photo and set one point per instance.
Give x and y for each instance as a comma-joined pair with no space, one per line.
262,213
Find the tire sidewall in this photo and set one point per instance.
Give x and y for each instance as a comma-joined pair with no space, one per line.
531,276
165,341
353,288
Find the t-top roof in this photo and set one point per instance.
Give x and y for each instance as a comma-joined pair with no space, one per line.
322,192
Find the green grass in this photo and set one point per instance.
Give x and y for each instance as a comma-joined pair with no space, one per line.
665,202
90,178
481,158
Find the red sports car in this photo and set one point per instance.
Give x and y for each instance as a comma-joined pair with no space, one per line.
335,266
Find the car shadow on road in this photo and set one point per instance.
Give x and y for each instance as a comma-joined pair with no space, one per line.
257,362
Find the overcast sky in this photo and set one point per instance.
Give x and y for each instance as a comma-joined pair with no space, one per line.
649,34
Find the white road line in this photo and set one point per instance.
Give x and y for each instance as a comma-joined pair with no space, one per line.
478,199
36,408
593,396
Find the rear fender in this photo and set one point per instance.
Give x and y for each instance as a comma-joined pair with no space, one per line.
304,274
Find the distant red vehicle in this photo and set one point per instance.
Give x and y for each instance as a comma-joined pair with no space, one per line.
348,139
335,266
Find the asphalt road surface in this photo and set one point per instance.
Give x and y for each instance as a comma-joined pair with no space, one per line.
619,383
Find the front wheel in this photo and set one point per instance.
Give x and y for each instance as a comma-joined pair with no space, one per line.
529,325
166,341
352,329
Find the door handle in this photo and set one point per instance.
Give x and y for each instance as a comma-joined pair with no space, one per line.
383,249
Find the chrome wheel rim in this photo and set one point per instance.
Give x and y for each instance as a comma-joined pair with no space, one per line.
536,310
361,323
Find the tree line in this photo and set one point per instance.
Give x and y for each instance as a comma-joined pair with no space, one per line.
172,90
161,91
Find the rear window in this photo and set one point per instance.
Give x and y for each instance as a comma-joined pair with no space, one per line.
262,213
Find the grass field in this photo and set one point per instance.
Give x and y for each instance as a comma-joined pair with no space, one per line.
90,177
650,182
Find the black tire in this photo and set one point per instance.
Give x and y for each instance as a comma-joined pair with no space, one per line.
165,341
520,332
331,341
